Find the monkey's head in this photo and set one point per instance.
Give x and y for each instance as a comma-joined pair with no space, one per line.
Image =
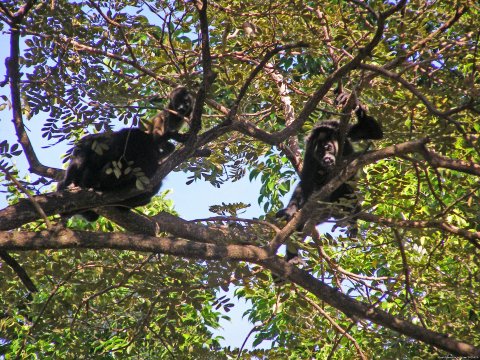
324,144
171,119
181,101
325,149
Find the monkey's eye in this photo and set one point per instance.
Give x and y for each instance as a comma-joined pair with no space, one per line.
328,147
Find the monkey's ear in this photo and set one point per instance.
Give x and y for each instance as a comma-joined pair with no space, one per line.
361,112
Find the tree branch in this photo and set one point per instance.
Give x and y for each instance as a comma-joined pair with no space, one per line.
208,74
262,64
14,76
471,235
19,270
437,160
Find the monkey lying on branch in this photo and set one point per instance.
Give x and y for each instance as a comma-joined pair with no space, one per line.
128,158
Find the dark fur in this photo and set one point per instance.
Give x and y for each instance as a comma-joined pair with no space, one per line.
321,157
118,160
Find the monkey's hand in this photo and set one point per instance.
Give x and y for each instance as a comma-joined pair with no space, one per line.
286,213
181,138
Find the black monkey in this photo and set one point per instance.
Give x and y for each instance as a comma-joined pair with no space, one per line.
127,158
321,157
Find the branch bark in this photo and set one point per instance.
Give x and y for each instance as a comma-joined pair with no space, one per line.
471,235
19,270
14,76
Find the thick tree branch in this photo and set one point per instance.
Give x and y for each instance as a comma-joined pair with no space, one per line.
471,235
67,239
167,223
437,160
53,203
24,212
14,76
208,74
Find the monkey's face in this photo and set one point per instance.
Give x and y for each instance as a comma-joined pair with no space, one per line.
181,101
330,152
326,150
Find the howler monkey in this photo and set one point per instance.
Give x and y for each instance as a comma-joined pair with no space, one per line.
127,158
321,157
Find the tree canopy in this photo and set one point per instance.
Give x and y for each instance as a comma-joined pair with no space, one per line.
147,284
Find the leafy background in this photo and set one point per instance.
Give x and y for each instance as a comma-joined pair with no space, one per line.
91,66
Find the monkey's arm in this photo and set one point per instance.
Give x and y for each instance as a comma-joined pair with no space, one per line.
366,128
296,202
181,138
